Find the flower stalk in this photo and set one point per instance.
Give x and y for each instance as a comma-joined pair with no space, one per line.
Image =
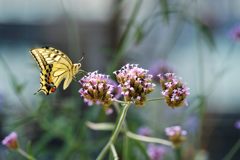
148,139
116,131
233,151
114,152
129,134
25,154
178,153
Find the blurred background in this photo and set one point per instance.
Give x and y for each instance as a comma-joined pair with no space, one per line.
193,38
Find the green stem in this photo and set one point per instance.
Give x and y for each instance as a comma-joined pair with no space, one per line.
124,130
100,126
234,149
155,99
178,153
114,152
148,139
125,146
109,126
25,154
121,102
116,131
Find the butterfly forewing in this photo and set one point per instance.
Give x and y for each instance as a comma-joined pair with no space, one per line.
39,59
55,66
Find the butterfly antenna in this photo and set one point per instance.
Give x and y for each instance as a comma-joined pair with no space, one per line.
82,72
80,59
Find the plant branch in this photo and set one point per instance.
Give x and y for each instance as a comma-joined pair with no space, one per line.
155,99
116,131
234,150
114,152
24,154
148,139
100,126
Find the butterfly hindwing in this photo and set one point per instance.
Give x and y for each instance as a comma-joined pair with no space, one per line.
47,85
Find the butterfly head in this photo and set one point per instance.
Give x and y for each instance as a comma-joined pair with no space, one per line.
76,68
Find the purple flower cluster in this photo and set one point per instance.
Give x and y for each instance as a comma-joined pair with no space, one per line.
156,152
173,90
135,83
144,131
11,141
176,135
96,89
235,33
237,124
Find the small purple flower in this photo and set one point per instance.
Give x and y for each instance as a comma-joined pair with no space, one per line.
237,124
117,90
176,135
11,141
156,152
173,90
235,33
161,67
135,83
108,111
144,131
96,89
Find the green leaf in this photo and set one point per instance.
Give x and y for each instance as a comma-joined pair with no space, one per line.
139,35
165,9
29,147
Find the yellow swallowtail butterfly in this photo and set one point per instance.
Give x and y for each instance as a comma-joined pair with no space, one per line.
55,66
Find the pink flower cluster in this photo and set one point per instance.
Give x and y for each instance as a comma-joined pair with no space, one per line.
156,152
235,33
144,131
135,83
96,89
11,141
176,134
174,91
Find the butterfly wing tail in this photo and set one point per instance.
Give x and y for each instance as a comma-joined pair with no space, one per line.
42,89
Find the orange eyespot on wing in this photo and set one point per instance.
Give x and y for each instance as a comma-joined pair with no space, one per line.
53,89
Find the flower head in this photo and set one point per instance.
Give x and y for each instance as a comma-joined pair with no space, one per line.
96,89
156,152
11,141
135,83
116,89
235,33
176,135
144,131
237,124
173,90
